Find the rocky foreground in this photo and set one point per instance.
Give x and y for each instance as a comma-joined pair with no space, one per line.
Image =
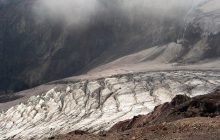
183,118
97,105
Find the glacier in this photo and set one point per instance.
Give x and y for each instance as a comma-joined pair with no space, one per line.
96,105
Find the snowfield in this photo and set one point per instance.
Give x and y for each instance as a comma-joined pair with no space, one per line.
96,105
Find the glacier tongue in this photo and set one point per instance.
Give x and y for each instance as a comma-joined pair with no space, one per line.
97,105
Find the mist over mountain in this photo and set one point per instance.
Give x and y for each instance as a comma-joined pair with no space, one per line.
45,40
82,69
75,12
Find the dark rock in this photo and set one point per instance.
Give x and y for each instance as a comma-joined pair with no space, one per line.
179,99
180,107
78,132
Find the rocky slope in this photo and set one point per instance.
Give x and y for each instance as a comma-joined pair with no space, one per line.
96,105
198,128
179,108
183,118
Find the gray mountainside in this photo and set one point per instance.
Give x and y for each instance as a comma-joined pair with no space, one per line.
34,51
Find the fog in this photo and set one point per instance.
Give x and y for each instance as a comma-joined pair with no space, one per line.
2,1
78,12
71,11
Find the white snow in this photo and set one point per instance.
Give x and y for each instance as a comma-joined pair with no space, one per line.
97,105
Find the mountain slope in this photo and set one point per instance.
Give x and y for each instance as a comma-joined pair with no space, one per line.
35,50
124,64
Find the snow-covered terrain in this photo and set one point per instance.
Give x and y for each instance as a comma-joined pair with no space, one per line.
123,75
96,105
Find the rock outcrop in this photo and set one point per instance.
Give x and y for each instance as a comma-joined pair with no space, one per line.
179,108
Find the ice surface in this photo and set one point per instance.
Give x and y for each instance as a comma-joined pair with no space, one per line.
97,105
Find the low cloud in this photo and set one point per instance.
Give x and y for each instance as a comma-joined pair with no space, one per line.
77,12
70,11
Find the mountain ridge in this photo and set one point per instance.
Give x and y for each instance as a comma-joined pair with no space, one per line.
37,51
